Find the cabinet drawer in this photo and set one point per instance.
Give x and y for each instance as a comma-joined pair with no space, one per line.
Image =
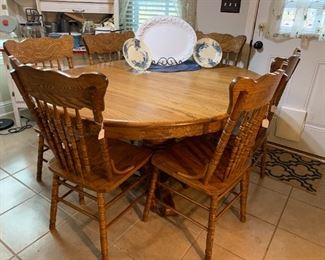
96,7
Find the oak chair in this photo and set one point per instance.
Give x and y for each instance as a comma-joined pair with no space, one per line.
105,46
289,65
231,45
84,156
215,168
47,53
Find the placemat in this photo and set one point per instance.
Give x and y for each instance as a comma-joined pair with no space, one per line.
185,66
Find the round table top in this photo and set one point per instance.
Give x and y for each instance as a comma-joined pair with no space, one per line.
153,105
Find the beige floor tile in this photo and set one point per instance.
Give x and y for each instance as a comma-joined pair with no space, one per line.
4,252
190,209
265,204
117,229
22,139
17,158
270,183
3,174
317,200
71,240
198,248
26,223
28,177
158,238
287,246
248,240
12,192
304,220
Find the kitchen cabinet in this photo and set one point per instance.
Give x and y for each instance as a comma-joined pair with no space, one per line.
95,6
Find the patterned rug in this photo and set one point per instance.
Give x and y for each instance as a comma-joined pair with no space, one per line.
297,170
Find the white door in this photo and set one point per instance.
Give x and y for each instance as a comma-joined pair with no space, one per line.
300,120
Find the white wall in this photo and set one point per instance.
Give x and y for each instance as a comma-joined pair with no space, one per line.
210,19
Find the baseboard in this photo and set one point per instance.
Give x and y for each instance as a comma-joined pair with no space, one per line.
5,108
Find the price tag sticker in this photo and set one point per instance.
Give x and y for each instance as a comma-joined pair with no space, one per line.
265,123
101,134
273,108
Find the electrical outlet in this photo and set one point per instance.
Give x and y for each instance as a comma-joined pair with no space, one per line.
230,6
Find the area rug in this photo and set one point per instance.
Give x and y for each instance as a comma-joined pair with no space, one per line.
297,170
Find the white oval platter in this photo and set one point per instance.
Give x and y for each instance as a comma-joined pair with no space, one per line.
168,37
136,54
207,53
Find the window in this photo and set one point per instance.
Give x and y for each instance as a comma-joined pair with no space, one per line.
141,10
297,18
134,12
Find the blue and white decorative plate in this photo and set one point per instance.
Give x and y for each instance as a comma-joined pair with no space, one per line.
137,54
207,53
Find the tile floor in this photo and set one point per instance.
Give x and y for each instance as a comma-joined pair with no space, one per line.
283,222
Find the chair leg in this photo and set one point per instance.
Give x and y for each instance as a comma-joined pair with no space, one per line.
211,227
263,159
102,225
54,201
40,157
81,197
243,197
151,193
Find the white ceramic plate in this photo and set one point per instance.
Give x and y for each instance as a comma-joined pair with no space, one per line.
137,54
168,37
207,53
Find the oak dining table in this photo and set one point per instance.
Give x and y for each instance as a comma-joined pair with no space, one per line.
158,106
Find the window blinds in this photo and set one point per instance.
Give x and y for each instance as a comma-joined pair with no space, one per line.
138,11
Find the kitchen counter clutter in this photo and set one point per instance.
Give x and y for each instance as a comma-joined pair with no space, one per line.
90,6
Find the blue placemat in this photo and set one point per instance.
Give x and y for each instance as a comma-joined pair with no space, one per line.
185,66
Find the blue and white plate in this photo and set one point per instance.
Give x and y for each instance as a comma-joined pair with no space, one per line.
137,54
207,53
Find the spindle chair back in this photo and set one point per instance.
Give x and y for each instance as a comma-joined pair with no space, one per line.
105,47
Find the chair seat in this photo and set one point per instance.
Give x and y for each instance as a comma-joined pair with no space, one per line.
187,161
124,156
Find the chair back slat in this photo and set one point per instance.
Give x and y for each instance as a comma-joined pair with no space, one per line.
105,46
48,52
289,65
56,99
248,106
231,45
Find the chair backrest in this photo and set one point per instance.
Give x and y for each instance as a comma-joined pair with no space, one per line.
45,52
249,103
289,65
231,45
56,99
105,46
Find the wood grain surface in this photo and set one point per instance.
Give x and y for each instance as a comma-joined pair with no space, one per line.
155,105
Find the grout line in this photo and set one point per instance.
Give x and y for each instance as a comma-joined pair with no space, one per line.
30,188
33,242
7,247
308,204
191,245
303,238
281,193
17,205
277,224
